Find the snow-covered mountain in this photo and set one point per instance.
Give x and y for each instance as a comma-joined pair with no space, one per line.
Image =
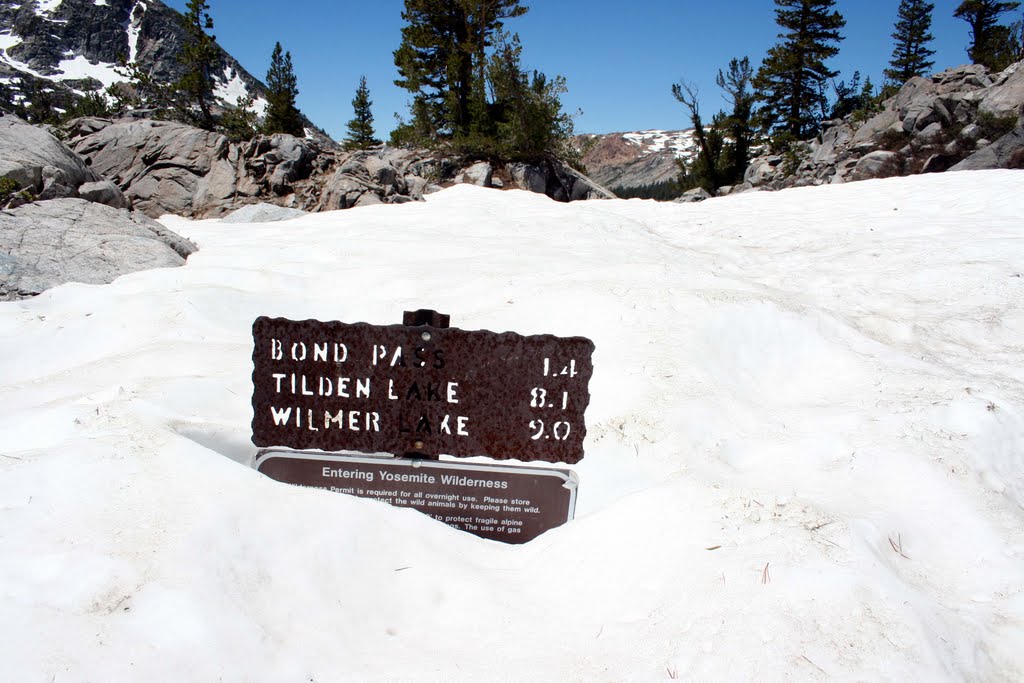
638,159
804,452
76,44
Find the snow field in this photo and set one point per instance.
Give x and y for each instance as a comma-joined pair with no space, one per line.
805,452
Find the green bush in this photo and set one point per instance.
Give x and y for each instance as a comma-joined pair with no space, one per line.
8,188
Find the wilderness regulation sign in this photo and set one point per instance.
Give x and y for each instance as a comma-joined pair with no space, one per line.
421,390
502,503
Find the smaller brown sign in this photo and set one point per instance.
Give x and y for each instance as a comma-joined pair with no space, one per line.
508,504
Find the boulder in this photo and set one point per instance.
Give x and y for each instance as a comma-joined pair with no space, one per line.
1006,98
45,244
528,177
1006,152
262,213
479,174
878,164
697,194
104,192
157,164
40,163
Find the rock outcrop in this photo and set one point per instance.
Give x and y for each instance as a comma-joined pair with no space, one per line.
961,118
48,243
43,167
168,167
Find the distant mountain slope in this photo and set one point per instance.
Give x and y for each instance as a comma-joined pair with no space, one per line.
638,159
74,45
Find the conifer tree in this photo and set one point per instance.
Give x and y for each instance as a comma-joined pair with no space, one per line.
792,77
738,128
360,128
198,56
442,59
910,54
282,116
723,148
991,44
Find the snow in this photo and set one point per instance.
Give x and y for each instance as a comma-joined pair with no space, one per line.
230,87
679,142
45,7
133,27
100,3
8,40
259,106
805,451
80,67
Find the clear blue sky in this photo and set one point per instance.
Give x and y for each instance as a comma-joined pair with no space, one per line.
620,58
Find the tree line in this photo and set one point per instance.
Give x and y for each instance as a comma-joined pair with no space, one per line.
787,97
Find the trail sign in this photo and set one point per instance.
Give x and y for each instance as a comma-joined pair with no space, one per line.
501,503
418,389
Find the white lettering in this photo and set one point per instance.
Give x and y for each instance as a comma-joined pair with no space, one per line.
452,386
353,420
444,428
397,357
330,386
296,348
379,353
391,390
320,352
305,391
281,417
461,428
276,350
311,427
343,355
343,387
279,376
363,388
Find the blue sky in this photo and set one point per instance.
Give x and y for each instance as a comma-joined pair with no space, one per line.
620,58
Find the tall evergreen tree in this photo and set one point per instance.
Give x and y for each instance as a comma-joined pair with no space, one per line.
990,42
442,59
360,128
738,128
198,56
791,80
282,88
912,33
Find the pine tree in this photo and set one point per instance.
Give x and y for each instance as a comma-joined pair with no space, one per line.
991,44
792,77
442,60
282,88
738,128
198,56
360,128
912,35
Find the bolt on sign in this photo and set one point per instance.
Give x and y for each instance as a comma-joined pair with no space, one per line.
418,389
501,503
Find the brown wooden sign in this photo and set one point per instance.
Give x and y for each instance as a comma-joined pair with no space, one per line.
420,390
508,504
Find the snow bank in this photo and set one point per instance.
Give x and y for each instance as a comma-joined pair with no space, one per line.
804,455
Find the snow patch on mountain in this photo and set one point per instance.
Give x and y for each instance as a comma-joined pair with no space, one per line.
679,142
80,67
44,8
